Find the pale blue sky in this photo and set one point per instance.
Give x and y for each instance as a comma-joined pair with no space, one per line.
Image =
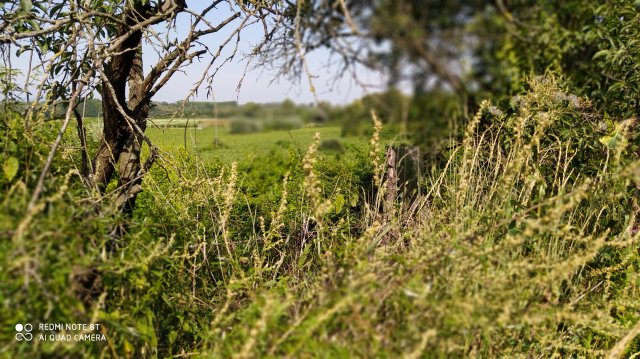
259,84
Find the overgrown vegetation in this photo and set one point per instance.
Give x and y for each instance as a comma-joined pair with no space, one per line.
493,213
523,243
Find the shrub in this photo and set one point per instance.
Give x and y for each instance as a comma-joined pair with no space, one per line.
237,126
283,124
332,145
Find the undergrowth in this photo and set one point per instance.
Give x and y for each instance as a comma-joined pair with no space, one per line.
523,244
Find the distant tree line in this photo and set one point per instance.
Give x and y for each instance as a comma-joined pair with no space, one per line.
206,109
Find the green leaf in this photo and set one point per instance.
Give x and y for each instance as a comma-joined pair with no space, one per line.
172,336
514,232
10,168
26,5
44,46
609,141
303,257
34,24
601,53
378,238
55,10
353,199
338,204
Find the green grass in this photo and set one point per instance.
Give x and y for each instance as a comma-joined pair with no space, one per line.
245,147
169,136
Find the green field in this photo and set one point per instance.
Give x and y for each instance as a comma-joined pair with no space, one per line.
229,147
245,147
200,135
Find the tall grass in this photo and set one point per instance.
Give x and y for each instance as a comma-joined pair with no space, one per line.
523,244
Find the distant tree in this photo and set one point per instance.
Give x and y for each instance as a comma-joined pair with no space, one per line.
392,106
476,48
321,113
90,107
251,109
422,41
288,106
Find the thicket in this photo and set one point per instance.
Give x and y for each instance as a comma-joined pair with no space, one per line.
524,242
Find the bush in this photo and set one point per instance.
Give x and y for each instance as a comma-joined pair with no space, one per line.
283,124
332,145
237,126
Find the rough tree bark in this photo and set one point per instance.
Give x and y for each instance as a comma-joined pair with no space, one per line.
121,142
115,131
131,170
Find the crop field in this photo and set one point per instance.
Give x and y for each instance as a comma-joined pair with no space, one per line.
212,139
247,146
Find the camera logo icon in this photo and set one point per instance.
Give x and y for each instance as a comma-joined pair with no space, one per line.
24,332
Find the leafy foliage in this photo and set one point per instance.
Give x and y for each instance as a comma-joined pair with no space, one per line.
520,239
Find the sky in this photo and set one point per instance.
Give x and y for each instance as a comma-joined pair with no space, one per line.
259,84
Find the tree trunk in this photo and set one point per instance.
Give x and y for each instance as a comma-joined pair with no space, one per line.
130,170
121,141
123,133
